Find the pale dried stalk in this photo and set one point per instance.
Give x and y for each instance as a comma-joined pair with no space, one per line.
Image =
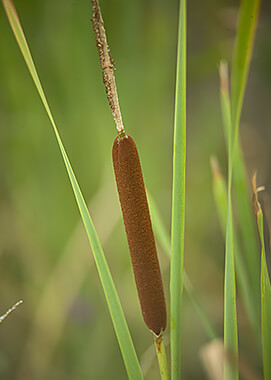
4,316
107,66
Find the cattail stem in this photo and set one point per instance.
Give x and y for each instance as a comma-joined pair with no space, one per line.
162,358
139,233
107,66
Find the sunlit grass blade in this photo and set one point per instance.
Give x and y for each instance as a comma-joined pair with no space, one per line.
230,314
220,196
178,200
265,288
162,237
117,315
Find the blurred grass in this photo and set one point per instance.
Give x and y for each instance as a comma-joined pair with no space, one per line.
265,282
142,36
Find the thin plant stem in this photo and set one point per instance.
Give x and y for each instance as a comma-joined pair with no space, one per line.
161,356
107,65
4,316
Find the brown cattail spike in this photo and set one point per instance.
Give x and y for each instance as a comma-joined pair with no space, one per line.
139,233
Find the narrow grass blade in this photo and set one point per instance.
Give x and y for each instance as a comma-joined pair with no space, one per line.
178,200
220,196
230,315
117,315
265,289
242,54
162,237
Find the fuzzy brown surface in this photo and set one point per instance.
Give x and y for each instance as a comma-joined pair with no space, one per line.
139,233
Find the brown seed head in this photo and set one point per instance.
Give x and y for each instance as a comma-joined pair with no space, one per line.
139,233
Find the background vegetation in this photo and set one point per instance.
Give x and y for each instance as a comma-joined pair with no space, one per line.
63,329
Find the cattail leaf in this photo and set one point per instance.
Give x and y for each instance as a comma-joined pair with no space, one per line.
116,312
178,199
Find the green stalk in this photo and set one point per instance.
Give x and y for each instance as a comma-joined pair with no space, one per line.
162,358
115,309
178,200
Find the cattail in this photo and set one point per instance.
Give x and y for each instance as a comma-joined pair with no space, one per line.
139,233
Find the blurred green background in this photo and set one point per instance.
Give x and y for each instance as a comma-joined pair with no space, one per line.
63,329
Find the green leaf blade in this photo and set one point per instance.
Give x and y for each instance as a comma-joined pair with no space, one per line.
248,17
178,200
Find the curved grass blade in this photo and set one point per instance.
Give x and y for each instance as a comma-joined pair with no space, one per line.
265,287
116,312
178,200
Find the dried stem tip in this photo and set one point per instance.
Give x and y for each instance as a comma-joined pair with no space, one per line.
107,66
139,233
